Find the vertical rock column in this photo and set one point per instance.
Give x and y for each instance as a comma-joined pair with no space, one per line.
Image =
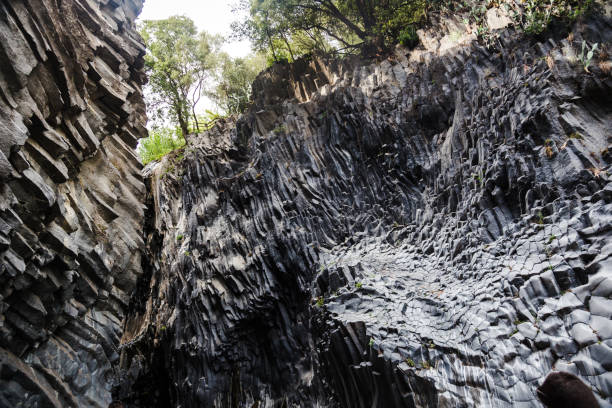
71,195
429,230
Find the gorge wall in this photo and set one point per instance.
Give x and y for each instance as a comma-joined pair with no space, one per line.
430,229
71,196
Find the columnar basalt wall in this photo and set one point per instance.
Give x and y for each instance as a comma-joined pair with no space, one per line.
71,196
429,230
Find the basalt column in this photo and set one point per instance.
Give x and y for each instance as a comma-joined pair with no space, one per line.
430,229
71,196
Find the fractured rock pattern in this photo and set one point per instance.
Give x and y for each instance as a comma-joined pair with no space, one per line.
71,196
430,230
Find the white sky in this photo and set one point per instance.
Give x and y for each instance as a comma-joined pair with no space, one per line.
213,16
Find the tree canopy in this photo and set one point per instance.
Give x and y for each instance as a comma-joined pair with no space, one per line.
179,61
184,66
277,26
233,91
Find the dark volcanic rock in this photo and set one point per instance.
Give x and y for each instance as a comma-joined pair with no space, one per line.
71,196
429,230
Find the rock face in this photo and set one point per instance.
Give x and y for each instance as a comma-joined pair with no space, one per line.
431,230
71,196
428,230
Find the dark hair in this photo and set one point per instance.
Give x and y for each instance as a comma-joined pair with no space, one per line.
565,390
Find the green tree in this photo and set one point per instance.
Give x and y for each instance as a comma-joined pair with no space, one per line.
233,92
370,25
538,14
179,60
283,30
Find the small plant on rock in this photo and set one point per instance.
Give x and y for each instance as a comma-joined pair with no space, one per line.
320,301
279,130
410,362
576,135
159,143
585,59
408,37
548,251
482,31
537,18
538,14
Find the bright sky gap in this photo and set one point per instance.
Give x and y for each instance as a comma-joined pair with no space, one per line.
213,16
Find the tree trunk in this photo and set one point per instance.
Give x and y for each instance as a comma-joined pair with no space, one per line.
179,100
329,8
184,125
367,16
195,118
288,47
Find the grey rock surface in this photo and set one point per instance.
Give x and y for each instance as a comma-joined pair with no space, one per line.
71,196
427,230
431,229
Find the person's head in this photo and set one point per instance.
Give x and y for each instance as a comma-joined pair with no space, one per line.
116,404
565,390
